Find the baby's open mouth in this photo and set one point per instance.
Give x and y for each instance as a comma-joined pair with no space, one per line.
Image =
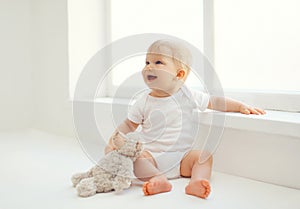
151,77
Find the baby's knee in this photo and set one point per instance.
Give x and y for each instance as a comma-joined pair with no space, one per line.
205,157
145,154
145,157
199,156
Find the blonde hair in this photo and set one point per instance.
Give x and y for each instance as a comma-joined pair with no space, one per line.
179,53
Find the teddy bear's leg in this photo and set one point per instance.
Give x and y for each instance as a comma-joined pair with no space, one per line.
121,182
86,187
103,181
76,178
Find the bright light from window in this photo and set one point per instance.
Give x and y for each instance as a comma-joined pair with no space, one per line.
183,19
127,68
257,44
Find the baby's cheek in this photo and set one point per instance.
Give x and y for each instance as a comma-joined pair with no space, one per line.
165,81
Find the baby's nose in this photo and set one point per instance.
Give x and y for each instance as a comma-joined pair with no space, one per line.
149,67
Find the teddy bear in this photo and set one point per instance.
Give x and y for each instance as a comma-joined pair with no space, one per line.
114,172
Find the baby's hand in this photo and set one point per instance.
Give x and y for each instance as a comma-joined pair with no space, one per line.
110,146
109,149
245,109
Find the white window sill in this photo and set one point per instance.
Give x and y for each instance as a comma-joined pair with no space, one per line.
274,122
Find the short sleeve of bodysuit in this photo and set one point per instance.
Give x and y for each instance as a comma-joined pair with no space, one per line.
136,111
199,98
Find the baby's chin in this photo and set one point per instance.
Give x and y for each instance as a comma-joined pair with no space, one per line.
165,90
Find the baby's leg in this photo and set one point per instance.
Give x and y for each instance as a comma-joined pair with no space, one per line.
145,170
199,172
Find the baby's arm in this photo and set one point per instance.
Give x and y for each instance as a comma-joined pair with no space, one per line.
229,105
125,127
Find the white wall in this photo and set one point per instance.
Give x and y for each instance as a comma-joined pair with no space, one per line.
15,65
271,158
34,80
52,106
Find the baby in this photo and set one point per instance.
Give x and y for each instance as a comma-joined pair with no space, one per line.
165,118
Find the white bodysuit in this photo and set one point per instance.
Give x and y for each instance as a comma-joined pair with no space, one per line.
168,131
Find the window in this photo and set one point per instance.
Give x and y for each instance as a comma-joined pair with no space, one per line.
252,44
183,19
257,50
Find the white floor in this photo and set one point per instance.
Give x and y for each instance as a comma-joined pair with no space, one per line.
36,169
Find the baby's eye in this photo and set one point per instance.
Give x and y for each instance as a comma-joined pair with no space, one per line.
158,62
147,63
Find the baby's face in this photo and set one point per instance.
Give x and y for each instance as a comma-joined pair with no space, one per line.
160,74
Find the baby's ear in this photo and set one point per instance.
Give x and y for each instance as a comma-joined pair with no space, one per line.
181,74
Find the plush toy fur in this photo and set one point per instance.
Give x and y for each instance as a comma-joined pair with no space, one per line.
114,171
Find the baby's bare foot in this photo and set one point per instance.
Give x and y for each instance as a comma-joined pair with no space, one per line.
198,188
156,185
